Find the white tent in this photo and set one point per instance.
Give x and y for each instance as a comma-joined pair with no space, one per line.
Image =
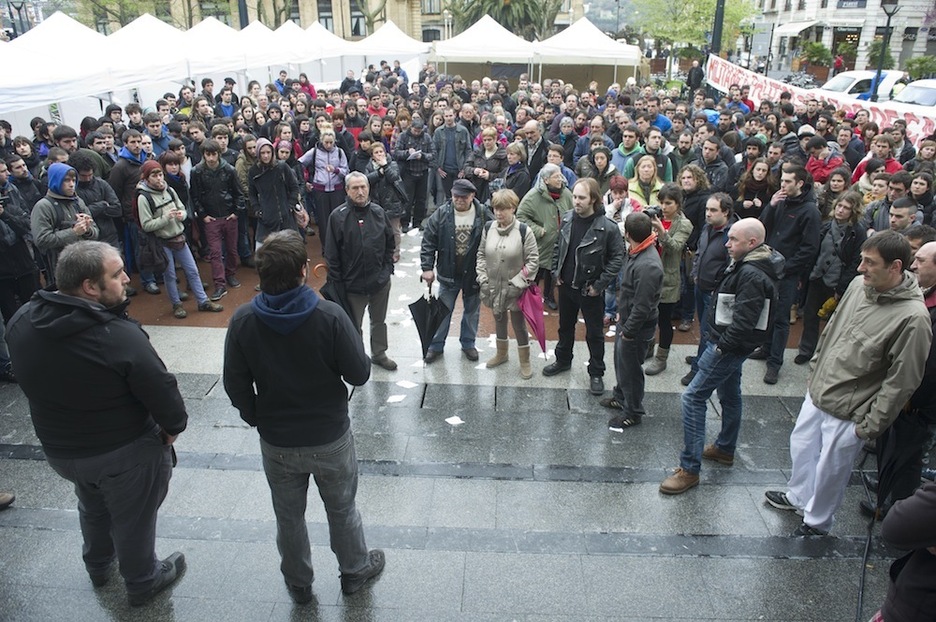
170,64
583,43
326,44
485,41
213,47
389,42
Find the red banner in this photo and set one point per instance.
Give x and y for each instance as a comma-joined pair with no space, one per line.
721,74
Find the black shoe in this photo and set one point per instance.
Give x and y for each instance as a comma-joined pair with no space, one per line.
386,362
130,291
759,354
772,375
550,304
596,385
152,288
868,509
171,569
7,375
432,355
555,368
300,595
620,422
248,262
801,359
101,578
690,360
471,353
611,402
805,530
218,293
780,501
233,282
687,379
351,583
929,474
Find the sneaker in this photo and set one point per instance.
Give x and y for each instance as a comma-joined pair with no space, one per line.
713,453
780,501
679,482
178,312
555,368
219,292
257,288
805,531
928,474
351,583
596,385
171,569
611,402
551,304
210,306
183,296
772,375
685,326
801,359
233,282
759,354
300,595
690,360
688,378
386,362
6,500
152,288
619,423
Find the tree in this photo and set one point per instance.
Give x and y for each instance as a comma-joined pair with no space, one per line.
525,18
373,15
120,11
817,54
276,17
921,67
874,53
690,21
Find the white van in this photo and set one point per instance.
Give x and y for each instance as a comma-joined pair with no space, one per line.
919,93
857,84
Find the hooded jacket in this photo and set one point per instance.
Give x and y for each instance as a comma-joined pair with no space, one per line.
871,355
793,231
104,206
748,286
672,244
76,344
543,214
154,206
54,216
15,259
386,187
273,192
124,178
620,156
286,360
909,526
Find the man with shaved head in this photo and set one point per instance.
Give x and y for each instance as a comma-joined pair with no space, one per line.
741,308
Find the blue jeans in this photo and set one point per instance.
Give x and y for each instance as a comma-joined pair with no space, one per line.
469,323
702,299
185,259
334,467
721,372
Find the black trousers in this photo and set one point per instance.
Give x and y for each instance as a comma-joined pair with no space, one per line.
416,192
571,302
15,292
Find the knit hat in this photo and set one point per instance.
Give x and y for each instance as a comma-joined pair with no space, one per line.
148,168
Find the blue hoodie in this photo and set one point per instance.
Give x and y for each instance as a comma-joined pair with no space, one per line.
286,312
57,173
125,153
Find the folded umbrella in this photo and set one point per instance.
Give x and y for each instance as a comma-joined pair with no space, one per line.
428,313
333,290
531,305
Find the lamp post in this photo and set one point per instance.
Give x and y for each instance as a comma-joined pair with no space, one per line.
447,24
890,9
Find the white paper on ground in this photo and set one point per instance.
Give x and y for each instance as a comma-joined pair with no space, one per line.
406,384
404,297
454,420
393,399
400,274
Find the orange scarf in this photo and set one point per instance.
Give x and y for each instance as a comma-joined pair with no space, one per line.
650,241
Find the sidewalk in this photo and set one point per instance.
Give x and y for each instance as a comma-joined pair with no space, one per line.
529,510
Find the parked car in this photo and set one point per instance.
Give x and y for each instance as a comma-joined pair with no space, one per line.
919,93
857,84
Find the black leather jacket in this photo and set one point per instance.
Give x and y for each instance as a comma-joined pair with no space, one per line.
598,258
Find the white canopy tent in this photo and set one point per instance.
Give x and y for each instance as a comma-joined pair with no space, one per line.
583,43
170,63
213,47
485,41
389,41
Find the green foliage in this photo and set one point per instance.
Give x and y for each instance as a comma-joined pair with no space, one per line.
848,51
691,53
874,53
920,67
817,54
687,22
529,19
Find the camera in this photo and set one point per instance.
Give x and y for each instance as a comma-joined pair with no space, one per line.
653,211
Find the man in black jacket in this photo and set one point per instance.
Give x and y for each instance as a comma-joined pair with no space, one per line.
588,255
18,276
217,200
416,157
738,316
287,357
792,221
109,426
638,302
359,248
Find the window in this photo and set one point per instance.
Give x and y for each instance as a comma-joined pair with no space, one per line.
801,5
788,5
773,5
358,23
431,7
294,15
431,34
218,9
824,4
325,16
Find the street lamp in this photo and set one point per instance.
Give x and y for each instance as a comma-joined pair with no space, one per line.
447,24
890,9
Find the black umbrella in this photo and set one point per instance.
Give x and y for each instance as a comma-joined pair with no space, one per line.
334,290
428,314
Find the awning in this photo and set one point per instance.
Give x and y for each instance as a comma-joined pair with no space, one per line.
793,28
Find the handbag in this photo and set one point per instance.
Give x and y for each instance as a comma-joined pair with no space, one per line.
153,255
176,244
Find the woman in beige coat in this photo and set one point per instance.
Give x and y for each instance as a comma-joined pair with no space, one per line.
507,262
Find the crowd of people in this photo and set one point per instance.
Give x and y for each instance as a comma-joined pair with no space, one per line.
643,211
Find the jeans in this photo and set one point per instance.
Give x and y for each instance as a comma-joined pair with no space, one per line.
571,301
702,299
119,494
687,289
243,236
335,470
721,372
629,355
777,338
185,259
469,323
218,231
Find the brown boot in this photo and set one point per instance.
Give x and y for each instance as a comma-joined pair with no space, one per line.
658,364
523,353
501,357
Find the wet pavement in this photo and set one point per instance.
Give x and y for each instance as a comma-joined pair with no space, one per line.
530,509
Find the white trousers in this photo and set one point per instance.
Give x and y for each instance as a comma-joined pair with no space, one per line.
823,449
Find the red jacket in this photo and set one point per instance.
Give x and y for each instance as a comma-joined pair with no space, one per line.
821,169
890,165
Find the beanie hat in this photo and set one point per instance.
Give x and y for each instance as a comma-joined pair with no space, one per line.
147,169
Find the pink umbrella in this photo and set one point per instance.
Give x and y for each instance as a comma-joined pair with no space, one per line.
531,304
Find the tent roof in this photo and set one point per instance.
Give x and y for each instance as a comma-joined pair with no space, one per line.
170,64
389,40
258,37
472,44
60,27
212,47
567,47
327,44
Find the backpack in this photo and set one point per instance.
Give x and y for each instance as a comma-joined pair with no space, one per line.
523,229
